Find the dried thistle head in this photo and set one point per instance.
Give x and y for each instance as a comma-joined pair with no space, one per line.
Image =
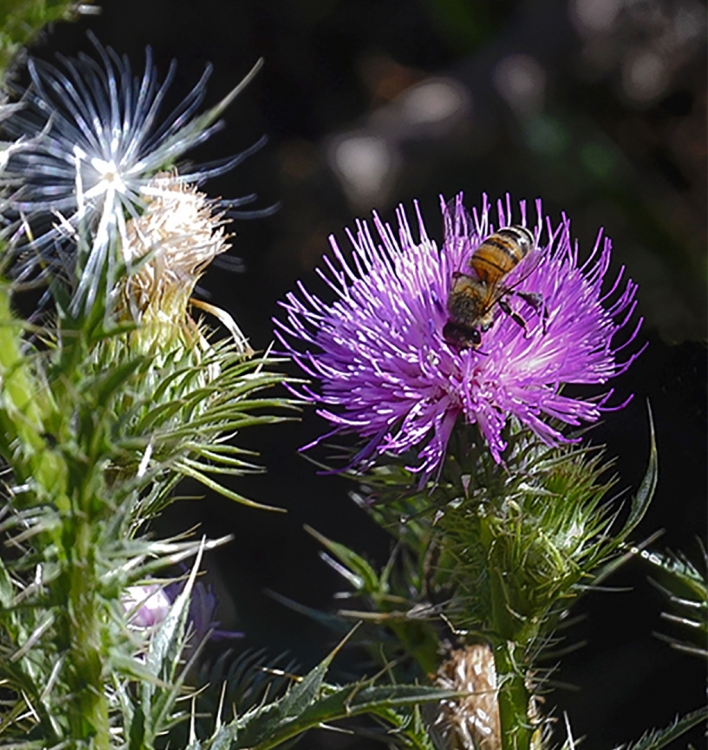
170,245
471,722
180,232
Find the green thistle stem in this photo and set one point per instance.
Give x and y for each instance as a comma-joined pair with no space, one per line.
81,624
516,732
33,429
87,712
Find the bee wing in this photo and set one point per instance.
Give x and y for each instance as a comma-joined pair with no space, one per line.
458,228
527,266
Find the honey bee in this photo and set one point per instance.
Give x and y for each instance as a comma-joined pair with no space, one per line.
474,298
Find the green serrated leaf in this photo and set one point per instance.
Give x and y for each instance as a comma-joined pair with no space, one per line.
403,728
332,704
658,738
166,639
222,740
303,692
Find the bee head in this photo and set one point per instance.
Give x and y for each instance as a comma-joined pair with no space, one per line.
461,337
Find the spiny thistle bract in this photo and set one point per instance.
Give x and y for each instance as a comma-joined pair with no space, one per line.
89,139
487,555
386,372
685,585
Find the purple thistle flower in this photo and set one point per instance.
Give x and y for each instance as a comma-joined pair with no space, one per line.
202,609
386,371
147,605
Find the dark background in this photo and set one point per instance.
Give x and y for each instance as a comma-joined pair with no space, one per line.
598,106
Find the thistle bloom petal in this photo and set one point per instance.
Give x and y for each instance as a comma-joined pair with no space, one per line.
387,374
92,140
145,606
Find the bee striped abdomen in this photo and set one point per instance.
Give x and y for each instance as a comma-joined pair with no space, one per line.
500,253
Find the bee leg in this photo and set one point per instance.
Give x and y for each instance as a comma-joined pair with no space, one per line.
504,305
536,301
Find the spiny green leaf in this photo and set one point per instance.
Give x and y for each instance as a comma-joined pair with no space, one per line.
645,493
224,466
408,730
332,622
190,471
658,738
686,589
355,563
166,638
303,692
266,729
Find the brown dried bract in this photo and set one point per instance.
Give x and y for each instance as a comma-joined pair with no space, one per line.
471,722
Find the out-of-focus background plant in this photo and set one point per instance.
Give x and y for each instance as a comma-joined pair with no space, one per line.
596,105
